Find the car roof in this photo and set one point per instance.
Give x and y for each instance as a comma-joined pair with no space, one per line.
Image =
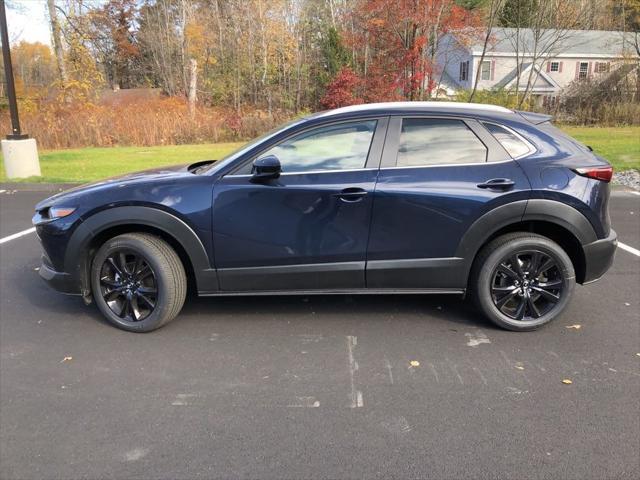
458,108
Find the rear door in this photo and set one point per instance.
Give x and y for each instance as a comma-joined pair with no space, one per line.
438,175
307,229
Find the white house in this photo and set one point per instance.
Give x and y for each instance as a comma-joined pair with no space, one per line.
577,55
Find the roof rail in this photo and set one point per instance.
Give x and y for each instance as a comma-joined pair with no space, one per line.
427,104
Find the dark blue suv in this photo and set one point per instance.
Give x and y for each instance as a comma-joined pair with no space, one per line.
415,197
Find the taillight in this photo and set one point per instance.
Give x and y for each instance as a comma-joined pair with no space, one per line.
598,173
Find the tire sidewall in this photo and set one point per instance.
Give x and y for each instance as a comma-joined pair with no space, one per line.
152,256
485,278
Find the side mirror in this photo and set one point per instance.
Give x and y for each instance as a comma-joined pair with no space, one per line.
266,168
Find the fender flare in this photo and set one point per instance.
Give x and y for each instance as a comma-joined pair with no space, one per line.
75,257
550,211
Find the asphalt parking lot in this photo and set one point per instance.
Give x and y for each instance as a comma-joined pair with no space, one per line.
317,387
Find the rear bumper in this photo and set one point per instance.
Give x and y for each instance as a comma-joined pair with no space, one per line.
60,281
599,256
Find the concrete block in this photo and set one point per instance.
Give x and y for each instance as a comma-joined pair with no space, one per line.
21,158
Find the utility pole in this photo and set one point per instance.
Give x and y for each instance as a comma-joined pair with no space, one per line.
19,151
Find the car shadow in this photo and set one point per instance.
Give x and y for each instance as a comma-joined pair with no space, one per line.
449,310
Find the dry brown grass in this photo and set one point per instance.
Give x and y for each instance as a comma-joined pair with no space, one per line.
161,121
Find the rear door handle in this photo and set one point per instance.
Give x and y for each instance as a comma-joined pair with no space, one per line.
497,184
351,194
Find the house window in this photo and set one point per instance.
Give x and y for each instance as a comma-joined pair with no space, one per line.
464,70
584,71
485,71
555,67
602,67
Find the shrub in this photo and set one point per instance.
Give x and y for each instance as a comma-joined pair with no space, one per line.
142,122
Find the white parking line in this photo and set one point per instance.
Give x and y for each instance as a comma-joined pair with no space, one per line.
629,249
17,235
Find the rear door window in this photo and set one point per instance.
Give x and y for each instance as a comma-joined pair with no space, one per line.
438,141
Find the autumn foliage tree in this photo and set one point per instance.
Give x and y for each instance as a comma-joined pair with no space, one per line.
396,43
345,89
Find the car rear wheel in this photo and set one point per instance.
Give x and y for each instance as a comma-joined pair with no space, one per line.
138,282
522,281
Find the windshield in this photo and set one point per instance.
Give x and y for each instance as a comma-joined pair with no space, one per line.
248,146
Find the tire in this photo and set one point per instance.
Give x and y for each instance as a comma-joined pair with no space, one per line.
138,282
515,287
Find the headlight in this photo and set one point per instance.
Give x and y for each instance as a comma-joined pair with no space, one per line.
59,212
50,214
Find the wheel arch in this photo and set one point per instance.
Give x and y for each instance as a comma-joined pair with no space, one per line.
557,221
98,228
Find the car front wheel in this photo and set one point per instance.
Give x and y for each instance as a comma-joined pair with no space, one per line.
522,281
138,282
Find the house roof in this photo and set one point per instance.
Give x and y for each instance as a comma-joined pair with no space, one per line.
574,43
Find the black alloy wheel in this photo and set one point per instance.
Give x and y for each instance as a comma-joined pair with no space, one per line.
522,280
138,281
128,285
527,285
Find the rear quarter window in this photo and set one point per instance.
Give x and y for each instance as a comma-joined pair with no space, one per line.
512,143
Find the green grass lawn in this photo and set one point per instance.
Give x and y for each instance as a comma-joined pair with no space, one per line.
88,164
619,145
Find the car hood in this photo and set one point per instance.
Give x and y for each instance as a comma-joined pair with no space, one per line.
153,175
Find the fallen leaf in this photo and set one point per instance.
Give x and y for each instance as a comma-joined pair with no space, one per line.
414,363
66,359
577,326
519,367
566,381
627,304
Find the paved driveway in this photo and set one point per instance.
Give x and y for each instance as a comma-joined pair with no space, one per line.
317,387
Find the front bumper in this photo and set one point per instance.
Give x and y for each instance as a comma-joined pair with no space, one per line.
598,257
60,281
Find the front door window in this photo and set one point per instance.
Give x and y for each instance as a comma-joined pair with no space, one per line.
342,146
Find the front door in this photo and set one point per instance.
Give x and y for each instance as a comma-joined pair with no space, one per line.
307,229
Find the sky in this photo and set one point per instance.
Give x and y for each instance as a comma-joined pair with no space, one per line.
28,20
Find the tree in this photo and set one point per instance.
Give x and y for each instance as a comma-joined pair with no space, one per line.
344,90
396,43
57,41
33,65
114,37
494,9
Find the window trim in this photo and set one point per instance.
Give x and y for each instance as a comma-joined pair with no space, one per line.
531,146
373,156
495,151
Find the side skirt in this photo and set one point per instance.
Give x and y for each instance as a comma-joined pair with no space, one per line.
355,291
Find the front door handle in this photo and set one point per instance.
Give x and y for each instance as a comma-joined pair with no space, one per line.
497,184
351,194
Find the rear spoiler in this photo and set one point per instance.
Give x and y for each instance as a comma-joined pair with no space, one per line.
535,118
